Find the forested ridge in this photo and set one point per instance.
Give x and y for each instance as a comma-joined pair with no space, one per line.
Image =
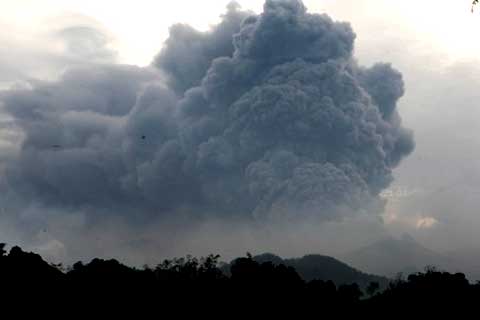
202,282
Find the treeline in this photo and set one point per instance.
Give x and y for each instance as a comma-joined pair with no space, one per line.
202,282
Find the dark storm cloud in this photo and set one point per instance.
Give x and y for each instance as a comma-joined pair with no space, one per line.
264,116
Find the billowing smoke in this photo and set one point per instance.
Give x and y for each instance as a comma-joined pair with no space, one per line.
263,116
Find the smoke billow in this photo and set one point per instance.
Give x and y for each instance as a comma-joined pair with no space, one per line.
263,116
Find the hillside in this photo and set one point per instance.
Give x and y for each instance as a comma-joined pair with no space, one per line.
315,266
391,256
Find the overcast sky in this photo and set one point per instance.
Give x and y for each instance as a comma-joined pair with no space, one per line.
444,27
433,43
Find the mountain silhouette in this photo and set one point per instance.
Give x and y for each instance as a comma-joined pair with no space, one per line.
318,267
390,256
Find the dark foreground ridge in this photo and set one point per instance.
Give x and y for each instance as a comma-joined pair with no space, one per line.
325,268
192,282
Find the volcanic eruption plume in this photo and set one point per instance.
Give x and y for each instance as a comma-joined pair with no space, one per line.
262,116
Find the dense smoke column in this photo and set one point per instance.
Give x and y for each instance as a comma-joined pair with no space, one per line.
188,53
264,116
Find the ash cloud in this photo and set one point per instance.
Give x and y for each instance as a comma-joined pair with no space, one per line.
188,53
264,117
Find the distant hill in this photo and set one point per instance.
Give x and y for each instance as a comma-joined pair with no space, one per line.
26,266
324,268
391,256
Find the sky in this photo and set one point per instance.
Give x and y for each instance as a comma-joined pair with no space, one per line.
135,31
445,27
434,194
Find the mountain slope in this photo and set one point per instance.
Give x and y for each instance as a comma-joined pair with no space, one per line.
391,256
324,268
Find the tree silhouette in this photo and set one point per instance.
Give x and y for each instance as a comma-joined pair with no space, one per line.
201,284
372,288
2,249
